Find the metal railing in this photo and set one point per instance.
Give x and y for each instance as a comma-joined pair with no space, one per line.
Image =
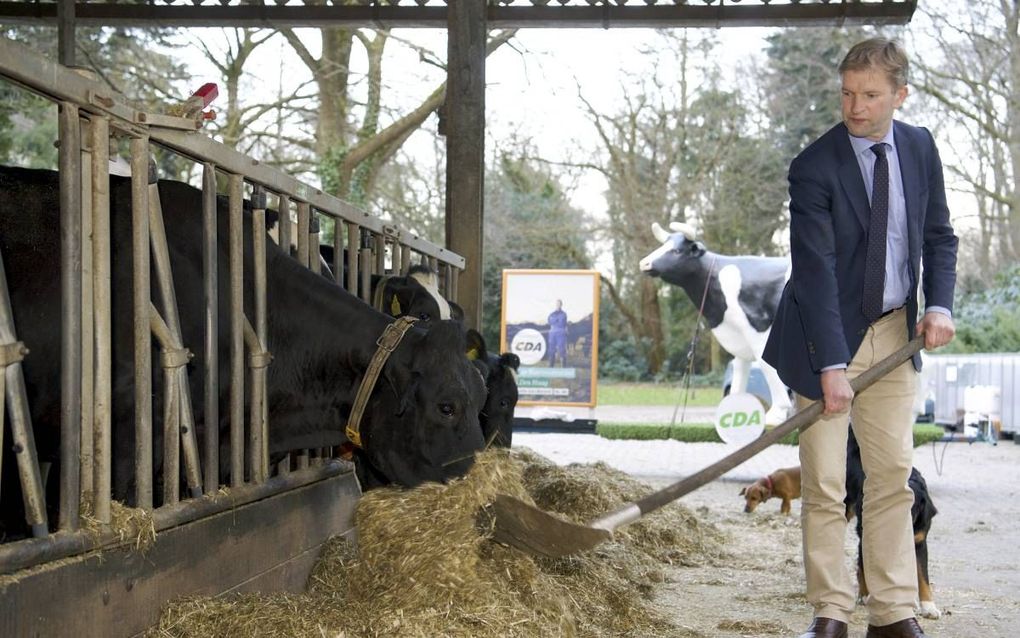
88,116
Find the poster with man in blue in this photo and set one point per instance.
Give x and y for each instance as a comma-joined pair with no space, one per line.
550,321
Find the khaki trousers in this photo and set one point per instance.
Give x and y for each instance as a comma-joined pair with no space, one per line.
882,418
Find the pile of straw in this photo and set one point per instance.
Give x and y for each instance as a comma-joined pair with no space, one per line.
424,566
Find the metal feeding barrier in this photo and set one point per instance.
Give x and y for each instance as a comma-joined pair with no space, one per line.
88,116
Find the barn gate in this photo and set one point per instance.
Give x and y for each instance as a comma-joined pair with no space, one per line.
265,529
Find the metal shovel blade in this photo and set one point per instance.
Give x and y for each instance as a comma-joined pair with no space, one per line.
541,534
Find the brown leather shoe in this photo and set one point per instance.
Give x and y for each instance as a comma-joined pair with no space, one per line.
826,628
903,629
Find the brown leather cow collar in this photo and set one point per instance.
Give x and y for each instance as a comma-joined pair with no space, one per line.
387,343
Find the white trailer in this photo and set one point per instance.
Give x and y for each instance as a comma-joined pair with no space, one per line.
945,378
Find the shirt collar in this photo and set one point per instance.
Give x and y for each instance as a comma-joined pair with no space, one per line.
862,144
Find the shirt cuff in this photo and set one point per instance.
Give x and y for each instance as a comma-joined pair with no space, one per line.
837,366
939,309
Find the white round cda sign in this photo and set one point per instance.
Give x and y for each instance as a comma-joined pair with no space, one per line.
529,345
739,418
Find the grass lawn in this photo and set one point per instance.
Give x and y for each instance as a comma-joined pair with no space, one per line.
705,432
617,393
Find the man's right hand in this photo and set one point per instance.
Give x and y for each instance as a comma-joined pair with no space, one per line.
836,391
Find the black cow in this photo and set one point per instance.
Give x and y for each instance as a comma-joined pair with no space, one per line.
421,422
415,294
740,296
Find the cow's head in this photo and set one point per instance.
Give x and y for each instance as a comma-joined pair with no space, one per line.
679,254
497,416
424,425
414,295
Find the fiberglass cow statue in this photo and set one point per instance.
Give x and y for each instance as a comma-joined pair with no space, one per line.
421,421
740,299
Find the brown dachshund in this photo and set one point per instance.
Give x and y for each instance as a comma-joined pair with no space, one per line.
784,484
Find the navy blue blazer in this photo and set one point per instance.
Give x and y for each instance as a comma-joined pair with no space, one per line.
819,321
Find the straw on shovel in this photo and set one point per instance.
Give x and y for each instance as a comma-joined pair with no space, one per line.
541,534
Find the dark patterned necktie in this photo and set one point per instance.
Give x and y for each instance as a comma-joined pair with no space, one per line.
874,266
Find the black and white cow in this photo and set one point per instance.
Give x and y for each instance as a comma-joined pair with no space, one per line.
421,422
740,299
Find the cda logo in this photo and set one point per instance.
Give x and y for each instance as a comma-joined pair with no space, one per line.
529,345
739,418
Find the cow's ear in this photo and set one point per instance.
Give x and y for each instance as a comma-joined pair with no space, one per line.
510,360
743,491
476,346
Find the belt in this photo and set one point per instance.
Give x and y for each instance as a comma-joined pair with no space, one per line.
889,312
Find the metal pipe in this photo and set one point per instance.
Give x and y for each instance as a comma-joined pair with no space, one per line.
236,332
141,304
338,251
302,233
172,360
22,437
353,236
314,259
70,303
405,260
26,553
168,298
365,270
86,440
210,277
258,426
451,286
285,225
101,273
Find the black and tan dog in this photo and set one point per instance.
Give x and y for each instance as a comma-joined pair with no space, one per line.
922,512
783,484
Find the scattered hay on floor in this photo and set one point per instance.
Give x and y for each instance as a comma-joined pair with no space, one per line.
754,627
424,567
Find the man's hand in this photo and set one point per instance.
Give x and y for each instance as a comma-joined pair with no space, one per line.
938,329
836,391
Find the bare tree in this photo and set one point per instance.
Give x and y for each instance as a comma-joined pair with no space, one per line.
975,84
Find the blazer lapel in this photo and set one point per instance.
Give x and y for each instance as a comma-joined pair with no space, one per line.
850,178
910,173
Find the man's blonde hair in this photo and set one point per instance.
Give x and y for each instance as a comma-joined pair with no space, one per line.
880,53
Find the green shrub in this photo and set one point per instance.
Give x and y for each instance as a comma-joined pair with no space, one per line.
705,433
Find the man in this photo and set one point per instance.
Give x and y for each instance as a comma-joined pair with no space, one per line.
868,190
558,335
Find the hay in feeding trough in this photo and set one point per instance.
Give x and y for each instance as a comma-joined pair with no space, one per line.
424,567
130,524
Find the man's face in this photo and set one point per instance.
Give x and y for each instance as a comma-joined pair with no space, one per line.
869,100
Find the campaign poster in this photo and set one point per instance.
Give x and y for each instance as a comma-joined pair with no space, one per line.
550,319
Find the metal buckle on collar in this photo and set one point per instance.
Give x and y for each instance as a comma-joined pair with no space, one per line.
394,333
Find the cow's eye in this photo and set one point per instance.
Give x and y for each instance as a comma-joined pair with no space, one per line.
504,403
425,316
446,409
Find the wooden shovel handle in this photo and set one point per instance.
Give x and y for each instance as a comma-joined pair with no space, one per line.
801,420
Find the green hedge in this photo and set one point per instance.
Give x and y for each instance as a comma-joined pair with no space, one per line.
705,432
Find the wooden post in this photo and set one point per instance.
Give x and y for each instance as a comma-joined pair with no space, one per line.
463,123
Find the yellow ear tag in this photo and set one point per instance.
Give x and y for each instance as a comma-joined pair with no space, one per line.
395,306
472,354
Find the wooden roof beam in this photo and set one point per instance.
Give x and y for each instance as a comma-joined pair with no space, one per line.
721,13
